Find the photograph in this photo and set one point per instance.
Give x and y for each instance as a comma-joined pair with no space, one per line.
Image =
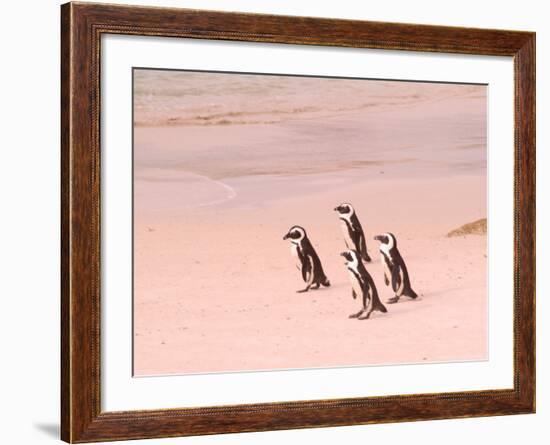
298,222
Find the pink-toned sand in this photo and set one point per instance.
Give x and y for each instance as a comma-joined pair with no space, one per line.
215,284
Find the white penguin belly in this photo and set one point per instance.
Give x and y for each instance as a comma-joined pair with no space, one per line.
356,286
347,238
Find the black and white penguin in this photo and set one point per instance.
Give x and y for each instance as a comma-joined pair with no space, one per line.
308,261
362,284
394,268
353,232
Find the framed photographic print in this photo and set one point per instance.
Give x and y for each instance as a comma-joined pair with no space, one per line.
276,222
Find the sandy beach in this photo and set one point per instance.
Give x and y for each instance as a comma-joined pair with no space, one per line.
215,284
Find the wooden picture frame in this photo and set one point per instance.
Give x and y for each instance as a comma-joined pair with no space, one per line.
82,26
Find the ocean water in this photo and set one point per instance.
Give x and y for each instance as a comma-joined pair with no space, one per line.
211,138
184,98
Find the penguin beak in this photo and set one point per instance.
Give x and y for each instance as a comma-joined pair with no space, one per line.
336,209
378,237
285,237
343,254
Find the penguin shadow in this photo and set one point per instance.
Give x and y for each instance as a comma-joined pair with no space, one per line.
374,317
334,286
407,305
404,306
407,300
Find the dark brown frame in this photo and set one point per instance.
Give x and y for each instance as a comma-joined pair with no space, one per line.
81,28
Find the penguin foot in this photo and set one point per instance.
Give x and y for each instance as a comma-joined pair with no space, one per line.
357,315
366,317
393,300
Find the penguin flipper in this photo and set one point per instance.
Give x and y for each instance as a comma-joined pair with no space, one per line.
388,269
306,269
309,277
363,248
396,279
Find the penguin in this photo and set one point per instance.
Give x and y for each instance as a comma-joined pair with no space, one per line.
308,261
363,284
353,232
394,268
